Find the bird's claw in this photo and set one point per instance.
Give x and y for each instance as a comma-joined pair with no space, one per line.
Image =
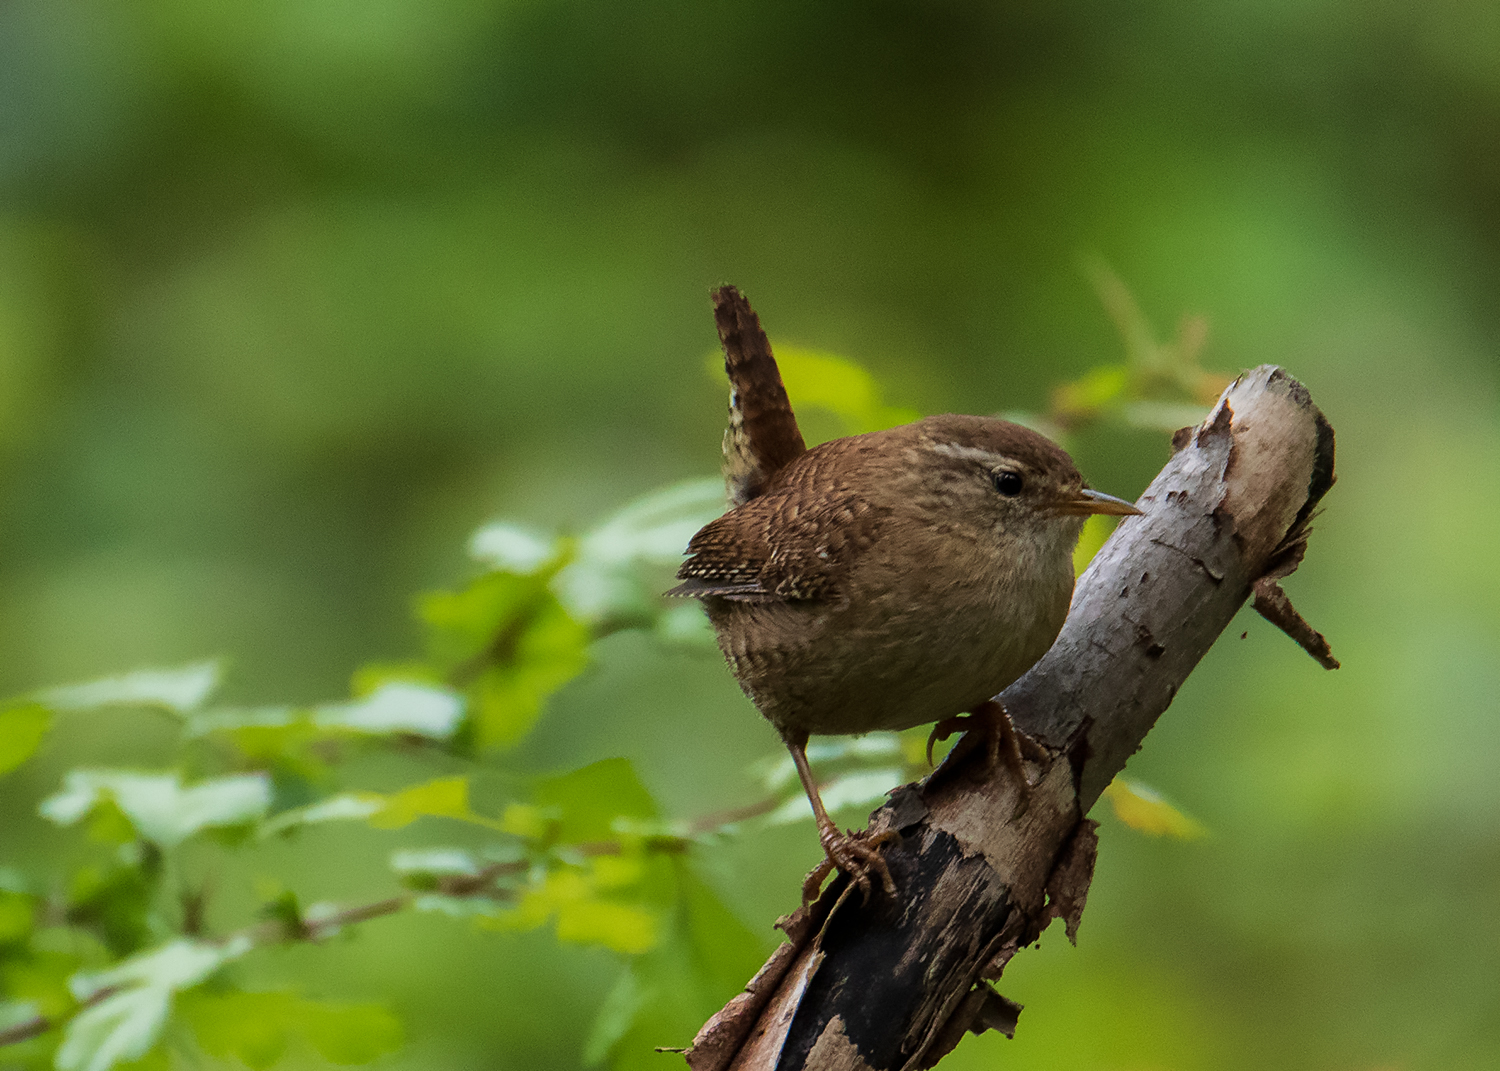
1004,742
855,854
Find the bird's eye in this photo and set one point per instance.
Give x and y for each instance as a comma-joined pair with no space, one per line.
1008,483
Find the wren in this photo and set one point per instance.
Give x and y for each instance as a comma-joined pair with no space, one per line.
884,580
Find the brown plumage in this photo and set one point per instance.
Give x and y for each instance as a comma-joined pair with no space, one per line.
883,580
762,436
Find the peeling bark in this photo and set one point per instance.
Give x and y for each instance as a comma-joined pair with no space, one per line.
896,983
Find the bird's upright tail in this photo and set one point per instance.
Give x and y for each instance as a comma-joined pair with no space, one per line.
762,437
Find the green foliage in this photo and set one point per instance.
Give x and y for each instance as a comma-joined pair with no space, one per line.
126,1006
157,806
254,1028
114,900
508,642
101,974
21,731
840,386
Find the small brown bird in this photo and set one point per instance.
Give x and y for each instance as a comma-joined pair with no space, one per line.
883,580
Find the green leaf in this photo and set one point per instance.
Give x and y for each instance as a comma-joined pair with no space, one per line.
17,912
616,1016
483,619
627,928
1142,808
508,641
508,697
21,731
157,805
585,912
446,797
705,956
115,903
513,548
178,690
125,1025
345,807
41,978
592,798
351,1033
251,1027
255,1027
1097,390
396,707
120,1028
608,577
422,868
839,385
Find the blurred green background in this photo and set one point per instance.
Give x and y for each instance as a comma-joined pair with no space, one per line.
294,295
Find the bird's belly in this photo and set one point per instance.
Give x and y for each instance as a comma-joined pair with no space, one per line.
829,670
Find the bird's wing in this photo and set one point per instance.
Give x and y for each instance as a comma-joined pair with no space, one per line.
779,548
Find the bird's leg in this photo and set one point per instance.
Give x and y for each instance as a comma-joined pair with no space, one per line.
1003,739
856,854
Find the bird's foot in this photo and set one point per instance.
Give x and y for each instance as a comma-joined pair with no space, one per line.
857,855
1003,741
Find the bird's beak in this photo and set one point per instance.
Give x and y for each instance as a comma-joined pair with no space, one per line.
1090,502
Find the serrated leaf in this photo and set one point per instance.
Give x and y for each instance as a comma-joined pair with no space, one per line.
1142,808
125,1024
119,1028
175,965
179,690
397,707
157,805
21,731
608,578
